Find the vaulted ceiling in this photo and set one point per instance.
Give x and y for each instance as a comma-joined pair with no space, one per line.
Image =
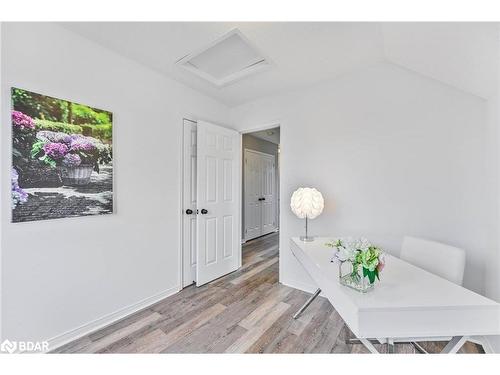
463,55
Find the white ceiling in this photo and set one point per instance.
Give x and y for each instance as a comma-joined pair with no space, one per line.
463,55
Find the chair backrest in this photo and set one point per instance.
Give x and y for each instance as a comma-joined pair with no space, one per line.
440,259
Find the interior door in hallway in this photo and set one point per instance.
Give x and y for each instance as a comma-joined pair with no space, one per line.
218,176
259,194
253,188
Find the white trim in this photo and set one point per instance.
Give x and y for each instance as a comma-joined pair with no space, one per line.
240,202
106,320
181,205
270,125
308,288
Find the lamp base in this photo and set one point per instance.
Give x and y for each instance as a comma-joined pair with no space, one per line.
306,239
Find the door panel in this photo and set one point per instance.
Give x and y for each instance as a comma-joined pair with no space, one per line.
228,236
211,179
210,225
228,180
189,202
217,174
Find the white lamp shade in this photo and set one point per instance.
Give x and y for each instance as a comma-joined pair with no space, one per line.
307,203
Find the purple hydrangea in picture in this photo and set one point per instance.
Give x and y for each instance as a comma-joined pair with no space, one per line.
55,150
81,144
72,160
22,121
19,196
56,137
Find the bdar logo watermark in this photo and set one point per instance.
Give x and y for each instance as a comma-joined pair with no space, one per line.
11,347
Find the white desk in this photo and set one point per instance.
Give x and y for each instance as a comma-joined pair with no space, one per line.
407,304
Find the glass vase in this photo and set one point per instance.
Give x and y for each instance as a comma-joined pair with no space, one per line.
352,276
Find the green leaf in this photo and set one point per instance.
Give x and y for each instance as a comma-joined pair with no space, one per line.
369,274
49,161
36,148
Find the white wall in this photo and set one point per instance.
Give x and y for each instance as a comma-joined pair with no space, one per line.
61,274
393,153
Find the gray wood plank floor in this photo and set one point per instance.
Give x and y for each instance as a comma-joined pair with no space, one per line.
247,311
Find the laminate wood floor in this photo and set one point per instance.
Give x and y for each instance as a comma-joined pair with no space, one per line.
247,311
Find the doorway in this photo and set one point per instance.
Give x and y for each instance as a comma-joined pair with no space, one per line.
260,183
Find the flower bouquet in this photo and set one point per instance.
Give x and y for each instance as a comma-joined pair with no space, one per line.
366,262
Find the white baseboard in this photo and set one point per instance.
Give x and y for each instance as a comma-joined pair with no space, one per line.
87,328
308,288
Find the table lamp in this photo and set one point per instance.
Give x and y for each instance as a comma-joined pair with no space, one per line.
307,203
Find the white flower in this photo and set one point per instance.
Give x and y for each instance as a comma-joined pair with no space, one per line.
346,249
344,254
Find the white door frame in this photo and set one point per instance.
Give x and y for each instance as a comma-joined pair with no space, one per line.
254,129
188,277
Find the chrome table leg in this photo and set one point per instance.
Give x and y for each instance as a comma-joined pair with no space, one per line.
454,345
308,302
419,347
390,346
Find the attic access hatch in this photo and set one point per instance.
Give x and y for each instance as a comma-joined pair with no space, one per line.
226,60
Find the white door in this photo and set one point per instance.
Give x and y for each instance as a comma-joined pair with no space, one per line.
218,226
259,194
252,191
268,198
189,204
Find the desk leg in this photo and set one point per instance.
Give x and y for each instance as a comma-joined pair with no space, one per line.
454,345
308,302
390,346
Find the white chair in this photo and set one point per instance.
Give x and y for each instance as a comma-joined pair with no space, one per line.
440,259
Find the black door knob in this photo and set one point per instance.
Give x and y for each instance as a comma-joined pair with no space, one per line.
189,211
203,211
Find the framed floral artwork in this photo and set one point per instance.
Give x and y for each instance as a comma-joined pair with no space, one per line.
62,158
